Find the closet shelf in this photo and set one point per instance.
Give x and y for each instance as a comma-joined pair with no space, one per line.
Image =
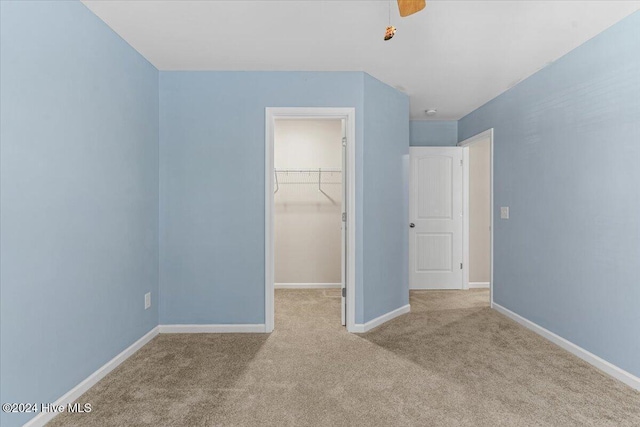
319,176
316,170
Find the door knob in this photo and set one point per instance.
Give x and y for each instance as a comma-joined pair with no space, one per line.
412,225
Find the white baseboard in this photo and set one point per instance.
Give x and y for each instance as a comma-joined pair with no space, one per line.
212,329
606,367
479,285
306,285
365,327
72,395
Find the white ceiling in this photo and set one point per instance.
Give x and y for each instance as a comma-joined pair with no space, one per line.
453,55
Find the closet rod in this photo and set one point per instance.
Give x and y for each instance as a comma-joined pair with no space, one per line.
307,171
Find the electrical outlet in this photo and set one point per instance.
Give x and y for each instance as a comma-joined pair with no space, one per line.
504,212
147,300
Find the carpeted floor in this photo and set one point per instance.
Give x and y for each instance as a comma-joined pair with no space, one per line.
451,362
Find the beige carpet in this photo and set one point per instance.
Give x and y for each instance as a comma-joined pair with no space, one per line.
451,362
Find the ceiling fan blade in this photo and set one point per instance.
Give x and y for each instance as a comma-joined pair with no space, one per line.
409,7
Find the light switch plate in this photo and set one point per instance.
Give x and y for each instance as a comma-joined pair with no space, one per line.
147,300
504,212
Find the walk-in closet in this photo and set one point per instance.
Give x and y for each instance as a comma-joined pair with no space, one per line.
308,206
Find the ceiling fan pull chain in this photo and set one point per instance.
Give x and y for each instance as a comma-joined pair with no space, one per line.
391,30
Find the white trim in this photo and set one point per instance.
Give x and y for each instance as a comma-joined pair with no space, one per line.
269,309
307,285
479,285
606,367
349,114
365,327
492,185
212,329
465,218
431,288
351,219
72,395
465,144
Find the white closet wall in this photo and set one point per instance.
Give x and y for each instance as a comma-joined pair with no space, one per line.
307,222
480,212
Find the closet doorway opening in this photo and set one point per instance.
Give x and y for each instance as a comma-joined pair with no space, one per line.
478,204
310,212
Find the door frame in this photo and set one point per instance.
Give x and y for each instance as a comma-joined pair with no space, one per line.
487,134
307,113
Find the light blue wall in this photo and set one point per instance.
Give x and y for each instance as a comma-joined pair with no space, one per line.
79,198
385,210
212,136
567,149
431,133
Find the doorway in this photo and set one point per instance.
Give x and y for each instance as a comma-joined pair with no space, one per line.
310,206
451,216
478,201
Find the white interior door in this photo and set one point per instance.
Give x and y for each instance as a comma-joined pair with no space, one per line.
435,217
343,304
